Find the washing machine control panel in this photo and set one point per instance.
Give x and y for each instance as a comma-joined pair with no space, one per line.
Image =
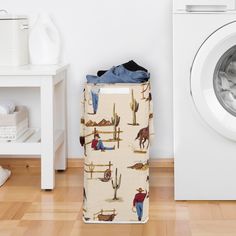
203,5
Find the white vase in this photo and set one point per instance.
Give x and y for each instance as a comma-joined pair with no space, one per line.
44,42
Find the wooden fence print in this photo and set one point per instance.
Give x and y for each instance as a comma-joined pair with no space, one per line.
115,133
92,169
108,216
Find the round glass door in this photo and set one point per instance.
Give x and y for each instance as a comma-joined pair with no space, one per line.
224,80
213,81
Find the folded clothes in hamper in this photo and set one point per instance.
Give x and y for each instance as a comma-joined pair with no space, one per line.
116,129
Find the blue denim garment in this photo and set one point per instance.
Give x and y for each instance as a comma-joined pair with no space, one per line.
95,97
100,146
94,102
139,209
119,74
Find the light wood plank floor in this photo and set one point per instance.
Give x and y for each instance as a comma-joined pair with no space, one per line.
26,210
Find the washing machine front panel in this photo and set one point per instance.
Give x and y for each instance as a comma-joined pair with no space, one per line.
213,80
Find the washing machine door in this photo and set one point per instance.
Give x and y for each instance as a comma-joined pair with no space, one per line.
213,80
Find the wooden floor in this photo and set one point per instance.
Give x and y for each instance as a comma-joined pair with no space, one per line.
26,210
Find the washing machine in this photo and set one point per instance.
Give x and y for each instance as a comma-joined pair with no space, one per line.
204,99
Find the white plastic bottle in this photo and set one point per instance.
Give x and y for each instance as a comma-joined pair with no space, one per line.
44,42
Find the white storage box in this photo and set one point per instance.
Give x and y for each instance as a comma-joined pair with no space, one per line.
12,126
14,40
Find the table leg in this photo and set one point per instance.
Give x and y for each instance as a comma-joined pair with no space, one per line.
47,134
61,153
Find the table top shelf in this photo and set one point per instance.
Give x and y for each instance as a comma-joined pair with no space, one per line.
32,70
29,143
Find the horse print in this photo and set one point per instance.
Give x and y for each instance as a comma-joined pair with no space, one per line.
143,136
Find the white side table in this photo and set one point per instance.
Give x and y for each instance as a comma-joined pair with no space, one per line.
50,138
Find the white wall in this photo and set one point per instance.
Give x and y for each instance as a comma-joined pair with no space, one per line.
98,34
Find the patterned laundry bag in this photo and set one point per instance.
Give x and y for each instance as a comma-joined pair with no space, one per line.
116,130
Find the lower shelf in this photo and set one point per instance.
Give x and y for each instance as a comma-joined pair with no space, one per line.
29,143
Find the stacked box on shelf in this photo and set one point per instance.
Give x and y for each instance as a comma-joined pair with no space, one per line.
12,126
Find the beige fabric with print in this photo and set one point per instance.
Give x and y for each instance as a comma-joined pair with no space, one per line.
116,129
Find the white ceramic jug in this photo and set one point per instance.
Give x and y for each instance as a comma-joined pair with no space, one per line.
44,42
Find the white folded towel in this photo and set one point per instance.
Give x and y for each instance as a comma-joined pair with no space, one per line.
233,90
231,68
7,107
4,175
225,83
229,99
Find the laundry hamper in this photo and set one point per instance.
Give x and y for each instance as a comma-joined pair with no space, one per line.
116,130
